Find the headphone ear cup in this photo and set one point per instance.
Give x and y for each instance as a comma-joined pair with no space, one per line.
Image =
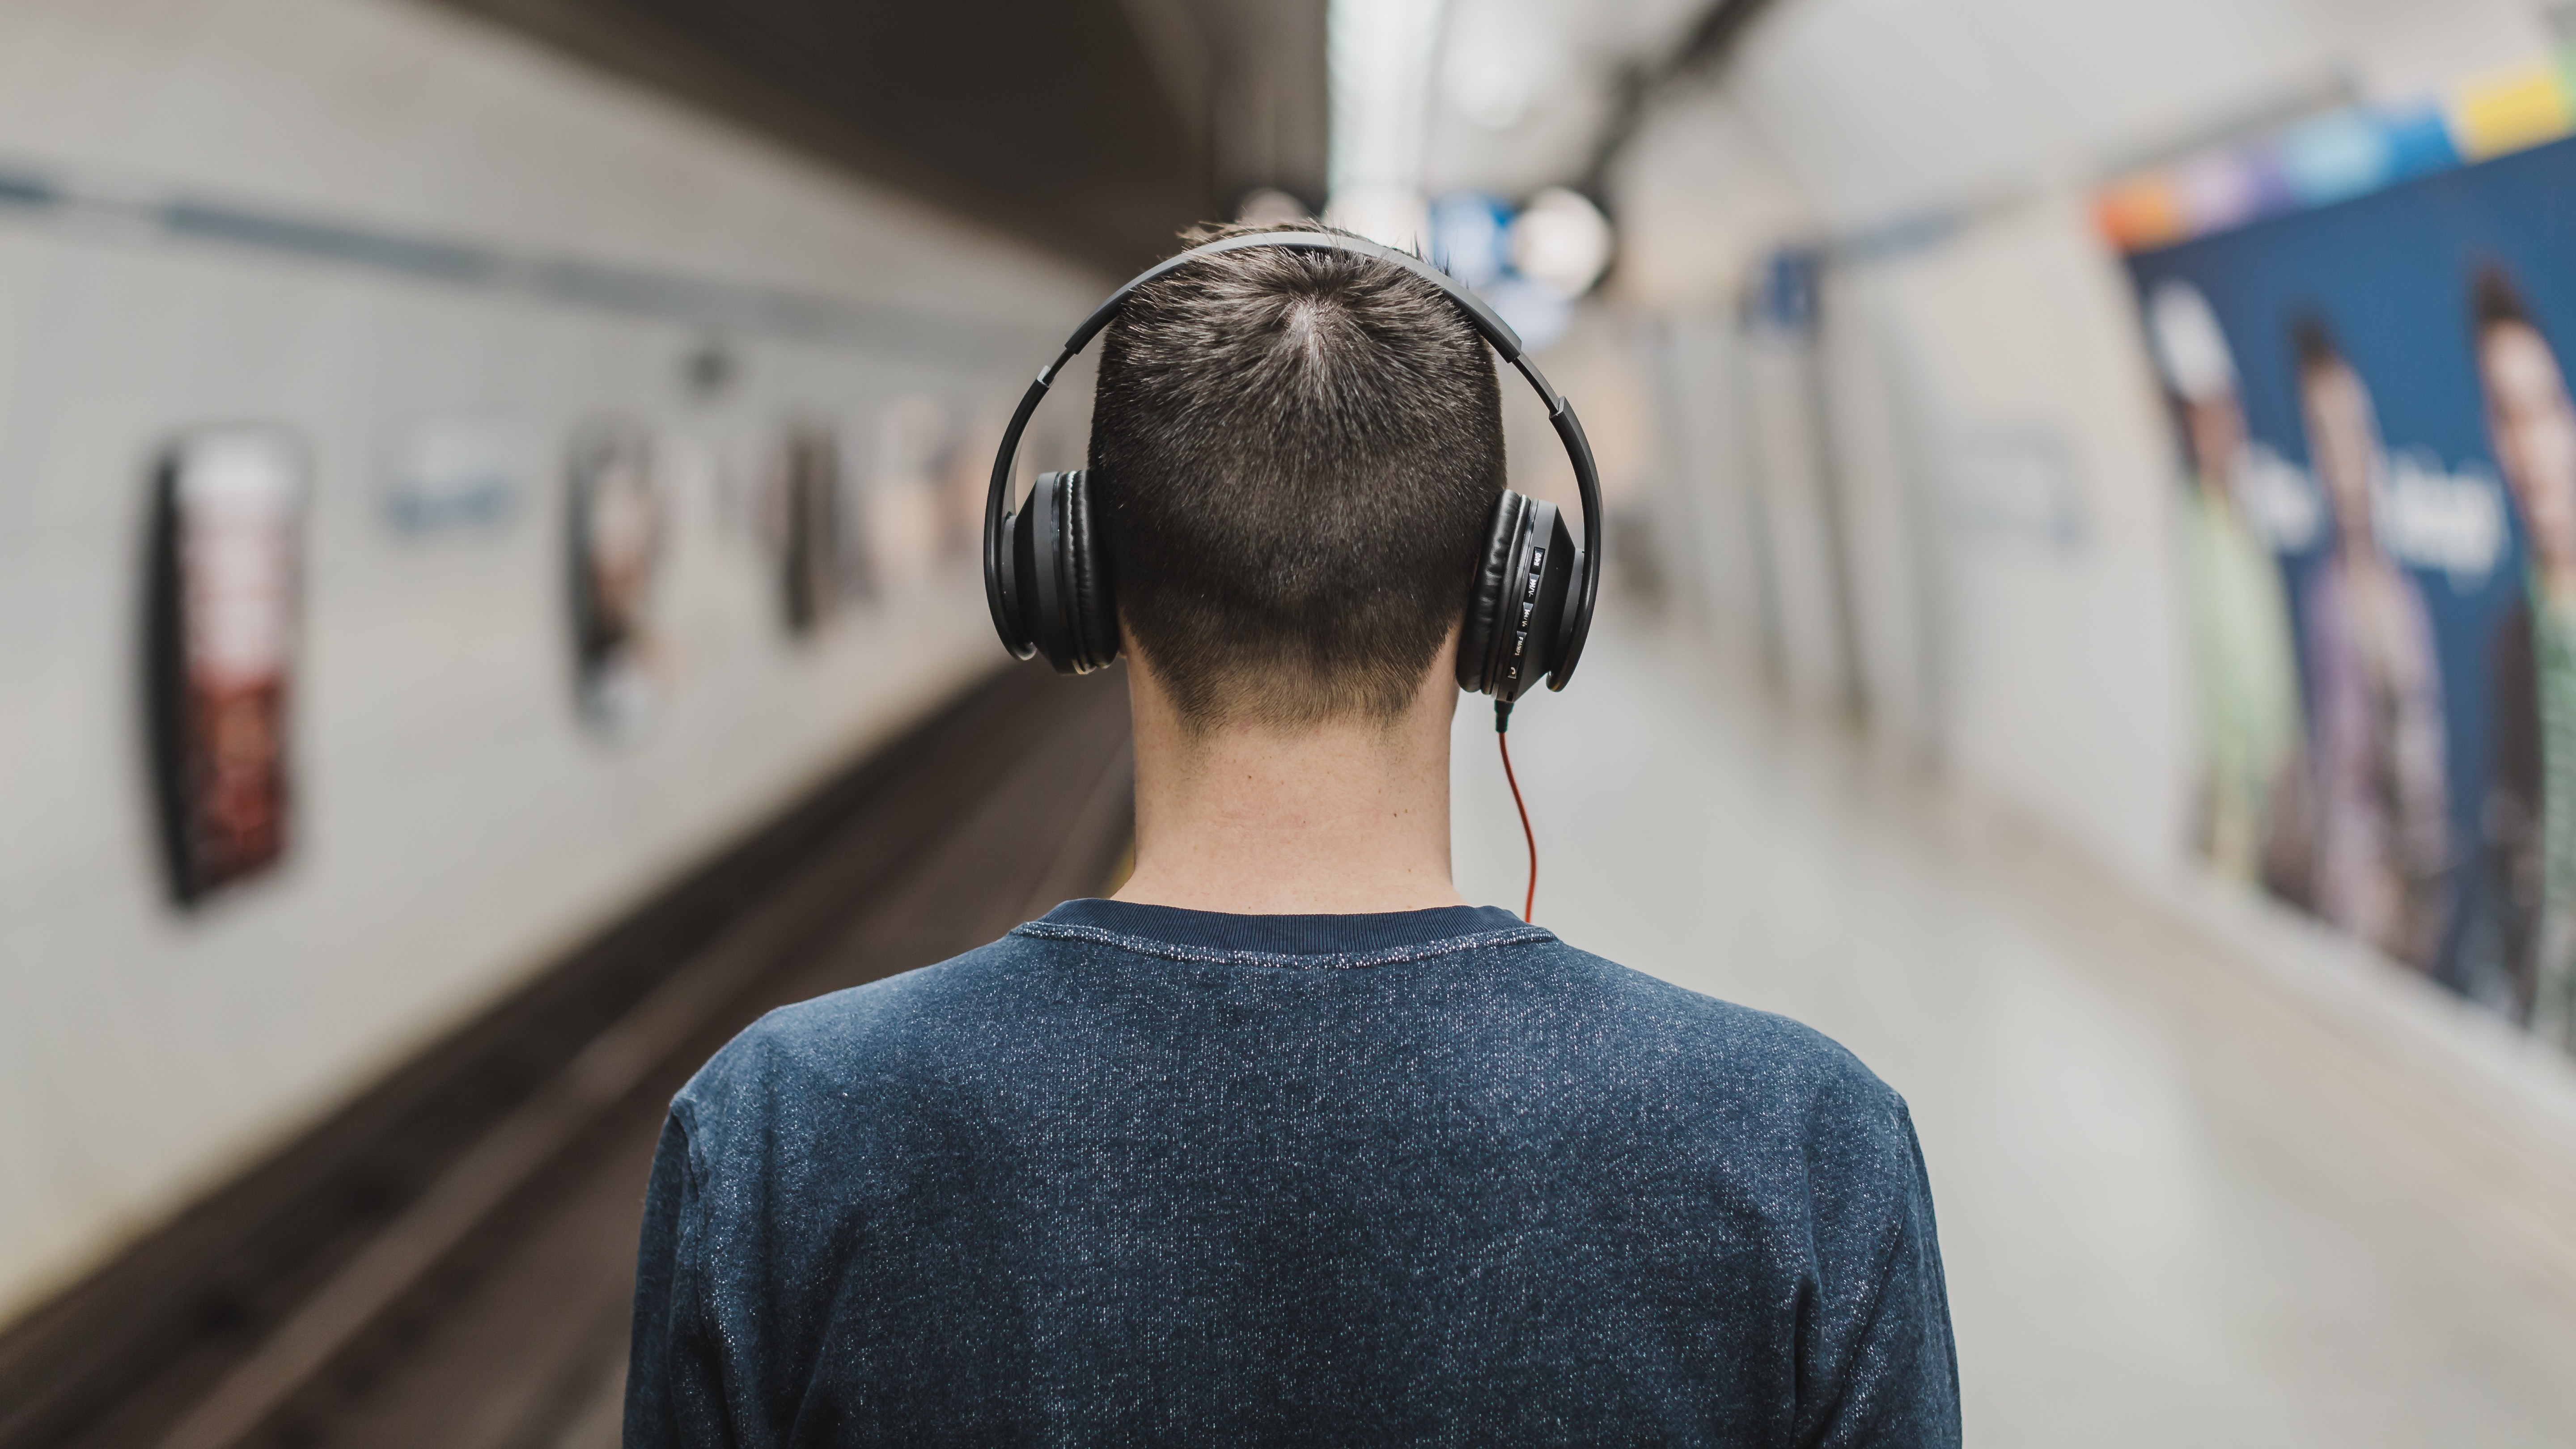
1088,583
1547,588
1063,583
1020,553
1516,612
1485,593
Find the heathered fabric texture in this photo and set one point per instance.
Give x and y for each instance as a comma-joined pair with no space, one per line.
1134,1175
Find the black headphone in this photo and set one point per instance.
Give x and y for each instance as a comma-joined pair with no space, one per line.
1047,580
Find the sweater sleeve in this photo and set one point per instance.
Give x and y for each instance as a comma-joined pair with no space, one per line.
674,1382
1877,1364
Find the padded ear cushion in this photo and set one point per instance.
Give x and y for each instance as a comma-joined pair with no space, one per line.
1020,573
1485,593
1093,600
1049,614
1533,603
1560,594
1060,597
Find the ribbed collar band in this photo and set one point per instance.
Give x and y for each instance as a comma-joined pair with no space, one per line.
1368,940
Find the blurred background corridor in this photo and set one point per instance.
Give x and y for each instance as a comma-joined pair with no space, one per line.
489,604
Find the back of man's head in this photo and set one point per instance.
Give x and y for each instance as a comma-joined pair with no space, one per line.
1296,453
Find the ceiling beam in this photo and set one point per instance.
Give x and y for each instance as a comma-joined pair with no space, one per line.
1052,120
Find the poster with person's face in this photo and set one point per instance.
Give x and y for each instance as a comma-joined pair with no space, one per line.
2371,407
617,526
224,579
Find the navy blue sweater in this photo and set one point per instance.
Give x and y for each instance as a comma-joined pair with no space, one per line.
1133,1175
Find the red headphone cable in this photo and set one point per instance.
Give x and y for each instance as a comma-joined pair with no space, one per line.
1503,740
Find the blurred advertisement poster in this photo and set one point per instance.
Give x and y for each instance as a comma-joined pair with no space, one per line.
450,476
2379,535
617,528
224,579
805,501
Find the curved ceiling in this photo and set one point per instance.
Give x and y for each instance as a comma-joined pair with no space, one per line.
1094,128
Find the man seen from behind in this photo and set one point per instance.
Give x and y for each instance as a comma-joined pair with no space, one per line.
1286,1143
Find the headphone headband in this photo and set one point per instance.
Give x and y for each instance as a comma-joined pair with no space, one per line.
1488,324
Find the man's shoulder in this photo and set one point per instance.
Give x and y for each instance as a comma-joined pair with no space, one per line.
862,1039
940,1040
1673,1037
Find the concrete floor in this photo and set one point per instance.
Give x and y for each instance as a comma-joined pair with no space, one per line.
2176,1206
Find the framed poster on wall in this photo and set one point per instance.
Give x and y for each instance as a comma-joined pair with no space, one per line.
617,531
811,567
222,605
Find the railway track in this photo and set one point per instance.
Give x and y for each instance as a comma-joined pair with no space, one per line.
450,1261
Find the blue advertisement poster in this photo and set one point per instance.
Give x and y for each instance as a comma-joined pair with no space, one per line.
2379,454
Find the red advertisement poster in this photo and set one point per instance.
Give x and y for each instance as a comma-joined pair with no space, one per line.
225,566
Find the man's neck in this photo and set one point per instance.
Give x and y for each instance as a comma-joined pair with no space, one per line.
1344,817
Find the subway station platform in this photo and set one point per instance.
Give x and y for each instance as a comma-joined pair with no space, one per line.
489,604
2176,1205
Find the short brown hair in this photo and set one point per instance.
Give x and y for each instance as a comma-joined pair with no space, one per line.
2494,301
1296,453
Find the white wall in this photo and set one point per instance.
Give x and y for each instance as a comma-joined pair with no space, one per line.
1886,469
1708,520
2061,679
1796,516
455,823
